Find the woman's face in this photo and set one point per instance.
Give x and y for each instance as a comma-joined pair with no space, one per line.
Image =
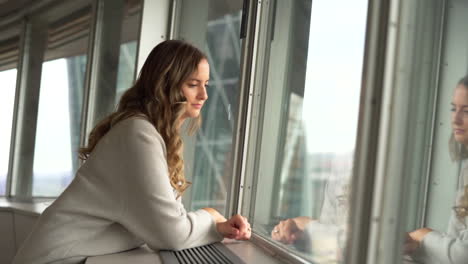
460,114
194,89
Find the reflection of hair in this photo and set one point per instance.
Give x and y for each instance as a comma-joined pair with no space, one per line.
461,210
458,152
157,97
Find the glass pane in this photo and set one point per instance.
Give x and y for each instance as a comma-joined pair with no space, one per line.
435,215
7,98
60,105
126,71
128,47
213,26
309,125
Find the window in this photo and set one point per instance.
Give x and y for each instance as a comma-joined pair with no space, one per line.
8,72
60,104
128,47
8,80
214,27
62,92
307,122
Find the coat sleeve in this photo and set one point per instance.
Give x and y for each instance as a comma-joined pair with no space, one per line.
438,247
151,211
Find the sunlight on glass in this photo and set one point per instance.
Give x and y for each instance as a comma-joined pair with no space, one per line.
311,110
52,156
7,98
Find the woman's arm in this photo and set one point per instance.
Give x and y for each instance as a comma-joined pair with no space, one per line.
237,227
216,215
437,247
150,210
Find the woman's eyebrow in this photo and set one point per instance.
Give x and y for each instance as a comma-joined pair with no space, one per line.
196,80
463,106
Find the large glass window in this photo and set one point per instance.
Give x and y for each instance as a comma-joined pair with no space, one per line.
308,125
60,104
8,63
62,91
213,26
7,98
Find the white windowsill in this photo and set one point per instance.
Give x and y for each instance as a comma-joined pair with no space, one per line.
34,208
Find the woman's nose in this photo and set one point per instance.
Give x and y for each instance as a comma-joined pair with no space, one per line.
457,118
202,94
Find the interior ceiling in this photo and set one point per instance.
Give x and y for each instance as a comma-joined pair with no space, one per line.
11,6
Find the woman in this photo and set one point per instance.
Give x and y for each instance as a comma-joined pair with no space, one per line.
430,246
128,190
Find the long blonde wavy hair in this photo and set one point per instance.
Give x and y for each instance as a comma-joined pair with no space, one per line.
459,152
157,97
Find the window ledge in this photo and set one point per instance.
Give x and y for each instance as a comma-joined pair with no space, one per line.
34,208
246,250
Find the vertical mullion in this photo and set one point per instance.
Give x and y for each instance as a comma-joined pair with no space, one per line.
368,132
241,131
23,137
101,69
155,21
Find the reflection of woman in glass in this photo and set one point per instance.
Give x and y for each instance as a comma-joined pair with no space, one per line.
430,246
323,238
128,191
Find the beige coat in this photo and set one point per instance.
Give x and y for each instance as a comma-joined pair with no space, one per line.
120,199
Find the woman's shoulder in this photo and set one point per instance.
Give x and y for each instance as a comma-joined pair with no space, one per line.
135,125
136,129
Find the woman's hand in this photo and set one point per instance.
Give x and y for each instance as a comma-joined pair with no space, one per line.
413,239
290,230
410,245
236,227
418,234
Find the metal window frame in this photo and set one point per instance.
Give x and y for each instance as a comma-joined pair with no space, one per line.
249,34
23,135
101,68
368,134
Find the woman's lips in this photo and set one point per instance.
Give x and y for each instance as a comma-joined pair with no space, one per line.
197,106
458,131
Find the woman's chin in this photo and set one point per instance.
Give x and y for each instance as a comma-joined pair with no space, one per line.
462,140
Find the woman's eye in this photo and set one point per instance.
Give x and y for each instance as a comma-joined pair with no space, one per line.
452,109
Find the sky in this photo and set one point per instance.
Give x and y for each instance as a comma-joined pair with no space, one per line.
8,83
53,147
333,75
